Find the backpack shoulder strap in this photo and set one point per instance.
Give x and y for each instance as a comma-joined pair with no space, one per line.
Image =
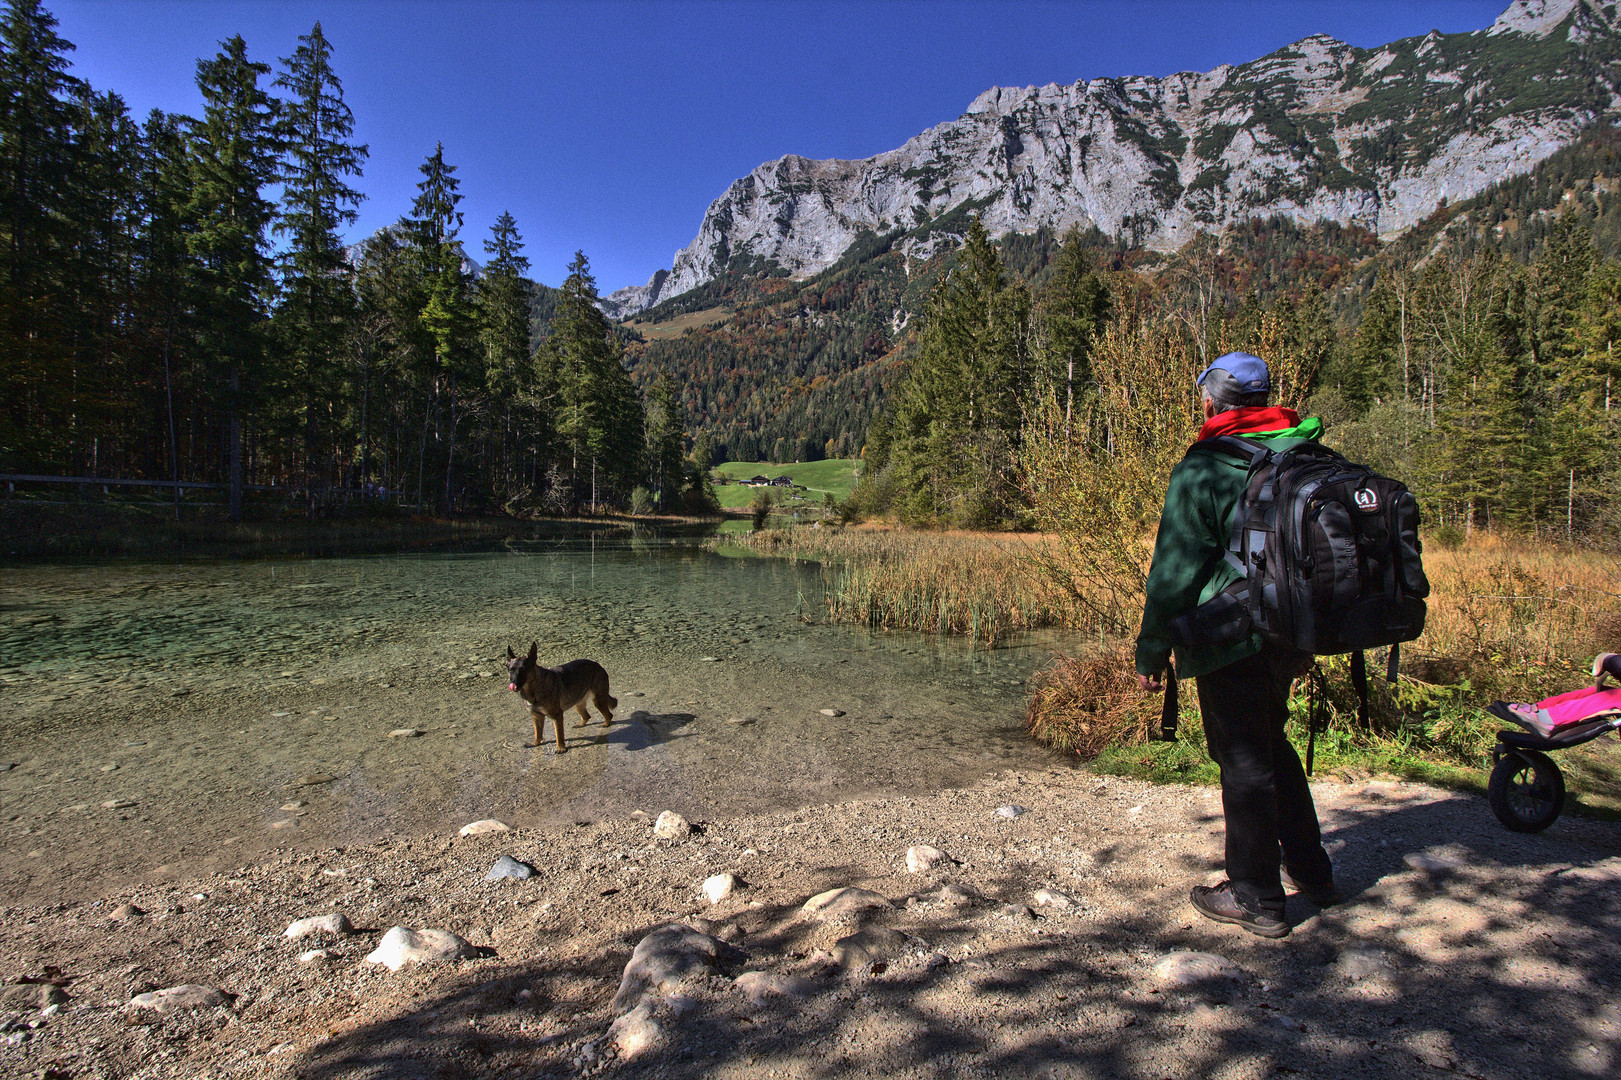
1252,451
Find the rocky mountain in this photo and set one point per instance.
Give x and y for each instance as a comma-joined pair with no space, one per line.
1318,130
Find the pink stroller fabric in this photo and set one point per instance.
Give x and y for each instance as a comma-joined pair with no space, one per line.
1552,715
1577,705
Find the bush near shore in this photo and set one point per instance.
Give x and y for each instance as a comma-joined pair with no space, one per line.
1516,621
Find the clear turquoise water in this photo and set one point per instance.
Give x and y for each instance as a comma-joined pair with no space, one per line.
206,694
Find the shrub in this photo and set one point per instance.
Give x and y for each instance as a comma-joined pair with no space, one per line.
1085,704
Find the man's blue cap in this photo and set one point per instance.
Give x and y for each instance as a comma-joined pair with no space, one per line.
1248,371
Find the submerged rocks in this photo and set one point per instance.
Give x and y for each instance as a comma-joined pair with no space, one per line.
672,826
922,858
507,867
335,923
176,998
484,826
401,946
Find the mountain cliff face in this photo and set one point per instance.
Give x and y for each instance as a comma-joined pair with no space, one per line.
1317,130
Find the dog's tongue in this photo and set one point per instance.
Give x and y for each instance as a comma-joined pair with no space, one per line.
512,686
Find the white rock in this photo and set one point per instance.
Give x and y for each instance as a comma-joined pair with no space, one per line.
720,886
401,946
483,826
1011,810
335,923
637,1032
921,858
671,826
406,733
1185,969
835,904
1430,863
1362,962
310,956
1053,899
832,712
118,804
761,986
508,867
188,996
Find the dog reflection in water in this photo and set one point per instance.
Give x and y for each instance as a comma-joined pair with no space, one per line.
554,691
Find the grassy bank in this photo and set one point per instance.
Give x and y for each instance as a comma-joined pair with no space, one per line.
813,481
1517,622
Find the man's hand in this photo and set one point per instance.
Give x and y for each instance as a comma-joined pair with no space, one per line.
1149,684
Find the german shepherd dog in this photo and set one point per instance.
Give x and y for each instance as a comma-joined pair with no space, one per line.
554,691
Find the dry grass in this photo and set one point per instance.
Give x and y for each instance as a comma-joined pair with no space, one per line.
1085,704
1518,618
978,584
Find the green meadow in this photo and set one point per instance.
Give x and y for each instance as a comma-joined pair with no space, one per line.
812,480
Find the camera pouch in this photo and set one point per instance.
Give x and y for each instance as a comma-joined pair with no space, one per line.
1224,619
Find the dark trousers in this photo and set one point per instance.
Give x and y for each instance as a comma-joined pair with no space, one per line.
1264,795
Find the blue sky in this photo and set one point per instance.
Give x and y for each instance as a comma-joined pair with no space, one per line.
611,126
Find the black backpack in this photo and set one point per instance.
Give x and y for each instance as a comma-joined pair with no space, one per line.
1330,557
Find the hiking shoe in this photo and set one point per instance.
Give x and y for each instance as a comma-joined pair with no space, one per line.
1323,897
1218,902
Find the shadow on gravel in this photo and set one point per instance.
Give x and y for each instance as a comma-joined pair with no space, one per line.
1499,956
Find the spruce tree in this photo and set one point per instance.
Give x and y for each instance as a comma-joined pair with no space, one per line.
446,313
502,301
233,158
37,158
317,297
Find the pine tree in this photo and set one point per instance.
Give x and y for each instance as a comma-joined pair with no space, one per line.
318,299
666,442
504,334
37,159
446,313
1073,307
232,156
599,414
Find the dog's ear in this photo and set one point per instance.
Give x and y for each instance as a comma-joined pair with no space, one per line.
534,650
510,654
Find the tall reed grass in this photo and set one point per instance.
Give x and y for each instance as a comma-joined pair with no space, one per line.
978,584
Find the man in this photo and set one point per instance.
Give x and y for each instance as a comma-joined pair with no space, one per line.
1243,686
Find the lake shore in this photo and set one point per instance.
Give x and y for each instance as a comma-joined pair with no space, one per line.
1047,943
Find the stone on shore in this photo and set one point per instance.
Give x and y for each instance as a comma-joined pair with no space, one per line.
832,712
838,904
335,923
672,826
508,867
483,826
922,858
1185,969
761,986
124,912
720,886
1011,811
637,1032
406,733
175,998
867,947
401,946
1053,899
665,959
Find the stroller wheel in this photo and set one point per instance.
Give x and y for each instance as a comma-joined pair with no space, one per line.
1526,790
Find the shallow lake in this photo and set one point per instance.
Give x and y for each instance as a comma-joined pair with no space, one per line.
167,718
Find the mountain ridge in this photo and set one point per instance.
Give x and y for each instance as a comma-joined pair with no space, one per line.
1318,130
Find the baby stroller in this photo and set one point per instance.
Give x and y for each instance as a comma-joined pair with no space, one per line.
1526,790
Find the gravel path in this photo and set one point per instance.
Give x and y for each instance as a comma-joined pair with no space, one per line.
1048,944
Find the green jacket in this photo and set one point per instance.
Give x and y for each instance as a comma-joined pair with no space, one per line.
1189,565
